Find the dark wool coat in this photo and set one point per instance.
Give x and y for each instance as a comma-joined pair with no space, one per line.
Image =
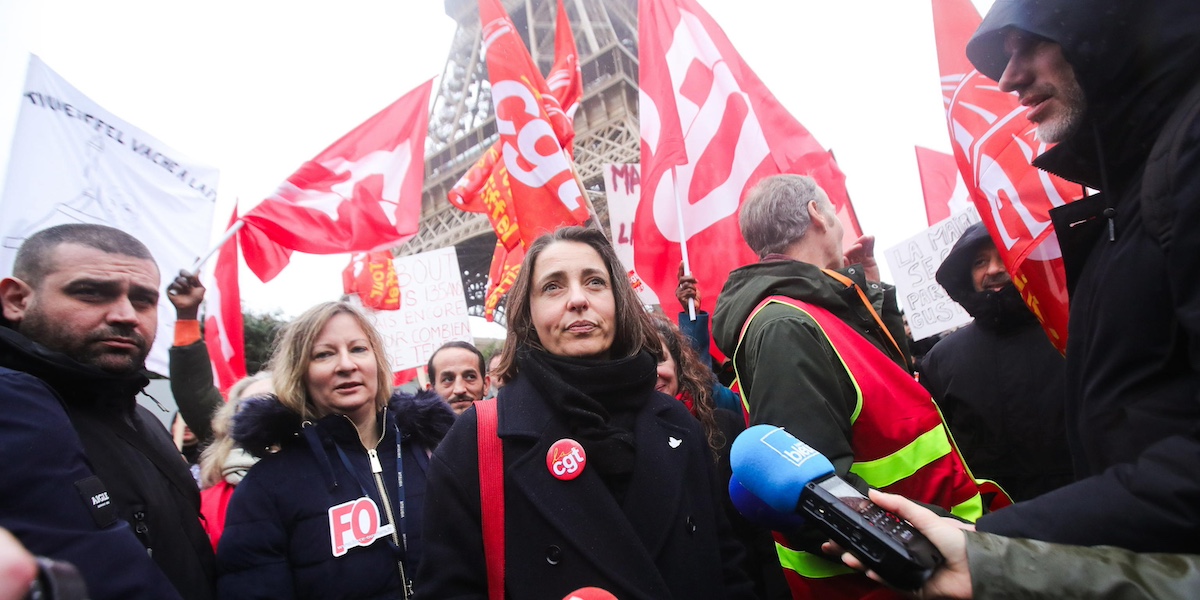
1133,348
277,540
669,539
130,452
46,498
1000,385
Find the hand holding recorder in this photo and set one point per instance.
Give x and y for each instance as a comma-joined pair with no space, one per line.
792,478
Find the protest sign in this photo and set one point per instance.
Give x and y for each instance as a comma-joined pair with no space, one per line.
433,309
623,183
914,263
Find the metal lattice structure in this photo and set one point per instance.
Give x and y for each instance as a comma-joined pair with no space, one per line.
463,125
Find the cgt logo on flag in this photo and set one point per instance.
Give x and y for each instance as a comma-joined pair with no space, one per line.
355,523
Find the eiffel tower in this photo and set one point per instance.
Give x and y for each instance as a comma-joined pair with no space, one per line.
463,125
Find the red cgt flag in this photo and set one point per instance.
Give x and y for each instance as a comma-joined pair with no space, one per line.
224,331
372,275
993,145
544,192
506,264
361,194
487,188
943,187
710,131
565,81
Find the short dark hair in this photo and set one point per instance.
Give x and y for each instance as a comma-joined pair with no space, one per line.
633,330
33,260
456,344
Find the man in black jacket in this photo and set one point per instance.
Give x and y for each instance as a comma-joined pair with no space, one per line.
998,380
1102,80
80,314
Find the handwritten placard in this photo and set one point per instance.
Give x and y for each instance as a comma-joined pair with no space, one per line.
914,263
624,188
433,309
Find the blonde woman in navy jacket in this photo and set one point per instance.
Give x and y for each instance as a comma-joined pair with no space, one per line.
326,516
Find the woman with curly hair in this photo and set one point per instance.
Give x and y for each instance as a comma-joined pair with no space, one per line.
681,374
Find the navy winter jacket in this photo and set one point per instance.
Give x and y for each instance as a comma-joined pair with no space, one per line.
277,541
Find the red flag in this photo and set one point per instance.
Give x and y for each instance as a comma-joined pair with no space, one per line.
565,85
565,81
710,131
545,194
506,264
943,187
361,194
994,144
224,332
400,378
485,188
372,275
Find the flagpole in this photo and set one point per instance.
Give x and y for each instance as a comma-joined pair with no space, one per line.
228,236
687,263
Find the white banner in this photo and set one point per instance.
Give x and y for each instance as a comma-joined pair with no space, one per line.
624,185
433,309
914,263
74,162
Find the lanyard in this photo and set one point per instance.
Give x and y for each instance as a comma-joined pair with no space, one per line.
846,281
401,522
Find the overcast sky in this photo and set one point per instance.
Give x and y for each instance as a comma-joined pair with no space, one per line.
256,88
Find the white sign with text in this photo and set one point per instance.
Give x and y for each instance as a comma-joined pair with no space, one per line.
913,264
433,309
624,189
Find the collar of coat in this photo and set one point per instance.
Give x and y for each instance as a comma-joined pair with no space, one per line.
80,385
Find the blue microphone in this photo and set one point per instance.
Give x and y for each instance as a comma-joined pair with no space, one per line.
759,513
775,466
791,478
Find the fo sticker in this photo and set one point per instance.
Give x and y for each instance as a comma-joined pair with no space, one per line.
355,523
566,459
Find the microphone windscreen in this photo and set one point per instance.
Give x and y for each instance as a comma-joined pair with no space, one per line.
757,512
775,466
590,593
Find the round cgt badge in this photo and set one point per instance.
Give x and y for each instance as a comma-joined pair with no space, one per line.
566,459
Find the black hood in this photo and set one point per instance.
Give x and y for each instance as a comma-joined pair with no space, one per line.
263,421
79,384
1002,310
955,273
1134,61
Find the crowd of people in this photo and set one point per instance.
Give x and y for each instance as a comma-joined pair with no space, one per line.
593,450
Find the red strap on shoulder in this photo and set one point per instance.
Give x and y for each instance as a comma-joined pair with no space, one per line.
491,496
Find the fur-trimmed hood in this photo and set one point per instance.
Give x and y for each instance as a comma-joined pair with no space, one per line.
263,422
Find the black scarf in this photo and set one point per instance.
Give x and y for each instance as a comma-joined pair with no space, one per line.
999,312
599,401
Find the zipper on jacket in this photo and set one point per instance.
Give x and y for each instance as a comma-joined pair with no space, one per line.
141,529
377,475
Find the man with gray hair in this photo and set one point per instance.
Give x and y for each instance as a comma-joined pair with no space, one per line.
87,475
819,349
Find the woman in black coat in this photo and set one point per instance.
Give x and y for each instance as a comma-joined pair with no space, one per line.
640,514
327,515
